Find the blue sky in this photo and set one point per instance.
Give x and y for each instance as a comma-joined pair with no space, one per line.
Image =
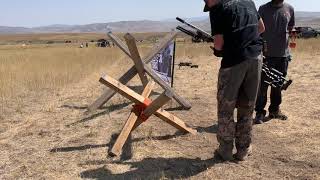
30,13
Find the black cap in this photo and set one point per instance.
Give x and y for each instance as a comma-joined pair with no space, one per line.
206,8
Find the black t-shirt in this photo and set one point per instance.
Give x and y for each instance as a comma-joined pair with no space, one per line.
238,22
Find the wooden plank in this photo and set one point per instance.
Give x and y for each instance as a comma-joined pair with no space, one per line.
170,119
135,56
185,104
158,103
109,93
122,89
127,128
174,121
144,94
148,89
117,41
123,136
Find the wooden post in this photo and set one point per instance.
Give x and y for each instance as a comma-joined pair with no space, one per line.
135,56
173,63
127,128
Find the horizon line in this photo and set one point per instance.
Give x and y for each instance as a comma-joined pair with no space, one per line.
115,21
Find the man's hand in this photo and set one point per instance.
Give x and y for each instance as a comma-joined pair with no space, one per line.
218,53
293,33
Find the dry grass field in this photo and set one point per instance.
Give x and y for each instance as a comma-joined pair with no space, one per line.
61,37
45,89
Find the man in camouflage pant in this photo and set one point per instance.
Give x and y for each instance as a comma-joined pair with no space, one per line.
236,26
237,88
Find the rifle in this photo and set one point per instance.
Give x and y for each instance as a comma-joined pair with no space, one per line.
275,78
198,35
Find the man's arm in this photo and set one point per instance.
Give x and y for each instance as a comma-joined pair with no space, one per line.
261,27
292,20
217,31
218,42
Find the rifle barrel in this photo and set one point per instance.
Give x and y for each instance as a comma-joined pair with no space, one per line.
190,33
194,27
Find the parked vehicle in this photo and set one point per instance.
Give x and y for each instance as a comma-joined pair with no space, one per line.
307,32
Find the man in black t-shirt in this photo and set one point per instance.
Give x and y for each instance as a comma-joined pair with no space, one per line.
236,27
279,19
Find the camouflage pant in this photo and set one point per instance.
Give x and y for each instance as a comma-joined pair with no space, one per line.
238,88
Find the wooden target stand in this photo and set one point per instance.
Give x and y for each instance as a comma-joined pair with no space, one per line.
144,107
140,68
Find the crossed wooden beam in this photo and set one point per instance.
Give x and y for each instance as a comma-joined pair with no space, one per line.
144,107
142,110
139,68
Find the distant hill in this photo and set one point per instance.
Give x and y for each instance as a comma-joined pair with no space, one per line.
308,19
307,15
303,19
13,30
122,26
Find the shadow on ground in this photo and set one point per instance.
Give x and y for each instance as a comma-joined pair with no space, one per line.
127,149
211,129
107,110
154,168
110,108
149,168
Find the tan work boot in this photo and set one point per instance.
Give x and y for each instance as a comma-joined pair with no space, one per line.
242,155
225,151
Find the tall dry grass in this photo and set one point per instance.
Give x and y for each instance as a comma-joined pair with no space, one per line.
62,37
306,47
41,68
37,67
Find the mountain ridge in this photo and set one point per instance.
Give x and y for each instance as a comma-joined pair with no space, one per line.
303,18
